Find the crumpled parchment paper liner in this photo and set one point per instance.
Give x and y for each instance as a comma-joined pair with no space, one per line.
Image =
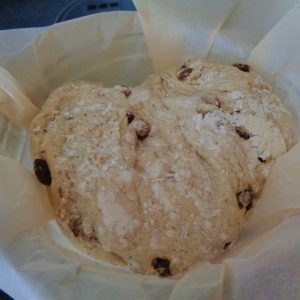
265,261
14,103
24,200
225,30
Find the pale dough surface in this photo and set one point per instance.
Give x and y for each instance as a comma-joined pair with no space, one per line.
183,190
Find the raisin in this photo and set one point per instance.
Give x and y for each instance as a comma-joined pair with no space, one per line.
184,74
162,266
245,199
127,93
242,132
142,134
76,226
60,192
261,159
93,238
142,128
226,245
42,172
249,205
130,117
242,67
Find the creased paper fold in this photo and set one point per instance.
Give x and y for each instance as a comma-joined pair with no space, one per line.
14,103
24,203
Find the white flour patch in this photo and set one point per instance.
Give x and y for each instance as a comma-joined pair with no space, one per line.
115,218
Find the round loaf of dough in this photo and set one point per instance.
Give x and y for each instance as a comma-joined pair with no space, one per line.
163,175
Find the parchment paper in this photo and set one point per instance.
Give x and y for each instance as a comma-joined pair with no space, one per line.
265,261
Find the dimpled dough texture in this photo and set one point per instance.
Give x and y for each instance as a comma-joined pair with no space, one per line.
163,175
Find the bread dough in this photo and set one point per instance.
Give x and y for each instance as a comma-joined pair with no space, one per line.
163,175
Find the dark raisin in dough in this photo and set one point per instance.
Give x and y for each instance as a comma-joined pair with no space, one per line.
226,245
245,199
162,266
144,132
130,117
261,159
76,226
127,93
60,192
242,132
184,74
42,172
242,67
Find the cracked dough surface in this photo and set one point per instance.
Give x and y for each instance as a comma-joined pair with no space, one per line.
170,169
